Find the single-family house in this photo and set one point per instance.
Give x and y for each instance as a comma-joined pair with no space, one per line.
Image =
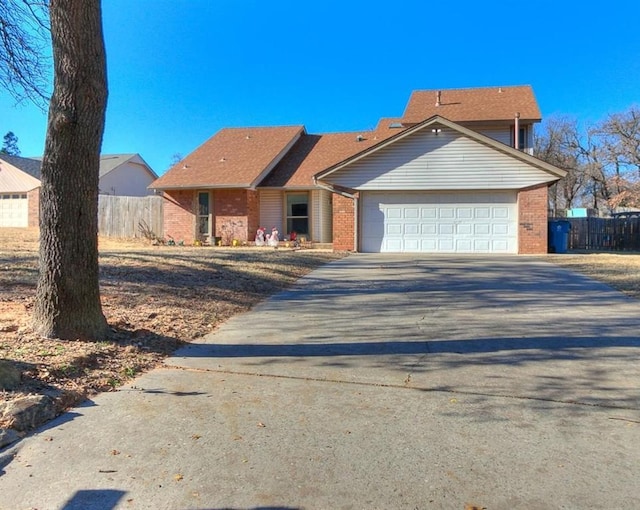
120,174
454,174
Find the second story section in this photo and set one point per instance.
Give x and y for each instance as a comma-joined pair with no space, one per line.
497,112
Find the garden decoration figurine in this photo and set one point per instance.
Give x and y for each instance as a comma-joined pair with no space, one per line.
293,237
260,236
273,238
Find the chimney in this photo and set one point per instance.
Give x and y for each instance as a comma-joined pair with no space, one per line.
438,98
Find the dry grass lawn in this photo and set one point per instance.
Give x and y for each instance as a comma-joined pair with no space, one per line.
619,270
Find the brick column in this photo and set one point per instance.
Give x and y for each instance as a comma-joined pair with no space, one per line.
33,206
532,220
343,223
236,211
179,216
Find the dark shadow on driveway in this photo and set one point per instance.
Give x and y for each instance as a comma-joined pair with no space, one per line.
471,346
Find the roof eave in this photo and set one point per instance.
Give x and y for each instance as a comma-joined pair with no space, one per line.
200,186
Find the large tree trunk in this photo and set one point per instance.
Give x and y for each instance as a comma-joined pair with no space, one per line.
68,295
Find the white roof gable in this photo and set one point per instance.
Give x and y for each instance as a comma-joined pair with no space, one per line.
440,155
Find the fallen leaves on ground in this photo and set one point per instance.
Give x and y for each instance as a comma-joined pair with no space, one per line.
155,298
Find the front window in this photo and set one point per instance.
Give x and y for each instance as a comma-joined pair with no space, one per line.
522,138
298,213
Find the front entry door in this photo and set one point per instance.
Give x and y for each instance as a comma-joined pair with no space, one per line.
204,219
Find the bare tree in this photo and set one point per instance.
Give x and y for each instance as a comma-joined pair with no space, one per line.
554,144
619,137
68,297
23,38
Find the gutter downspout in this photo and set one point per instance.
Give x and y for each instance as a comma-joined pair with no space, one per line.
355,208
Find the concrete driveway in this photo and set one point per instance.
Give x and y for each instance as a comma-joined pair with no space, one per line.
376,382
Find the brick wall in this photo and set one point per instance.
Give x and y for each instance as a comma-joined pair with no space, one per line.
179,215
532,220
33,200
236,214
343,223
253,214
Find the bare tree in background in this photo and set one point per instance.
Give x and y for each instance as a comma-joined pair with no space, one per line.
619,136
553,145
603,161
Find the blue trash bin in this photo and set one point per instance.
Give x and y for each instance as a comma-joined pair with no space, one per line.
559,236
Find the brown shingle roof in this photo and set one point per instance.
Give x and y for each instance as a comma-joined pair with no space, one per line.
233,157
246,157
477,104
314,153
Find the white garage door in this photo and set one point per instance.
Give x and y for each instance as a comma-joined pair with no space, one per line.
473,222
14,211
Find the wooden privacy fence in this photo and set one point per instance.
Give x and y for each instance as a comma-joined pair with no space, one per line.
604,234
121,216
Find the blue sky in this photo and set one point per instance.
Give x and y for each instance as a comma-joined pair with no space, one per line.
180,70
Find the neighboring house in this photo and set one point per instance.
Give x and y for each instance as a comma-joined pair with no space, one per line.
454,174
120,174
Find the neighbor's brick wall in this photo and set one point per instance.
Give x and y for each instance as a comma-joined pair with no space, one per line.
33,201
343,223
532,220
237,206
179,215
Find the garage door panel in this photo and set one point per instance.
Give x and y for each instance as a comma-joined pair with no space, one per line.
394,228
411,229
446,229
482,229
464,229
482,245
428,245
473,222
464,213
393,245
412,213
482,213
394,213
446,245
500,229
412,245
429,229
501,213
464,246
500,246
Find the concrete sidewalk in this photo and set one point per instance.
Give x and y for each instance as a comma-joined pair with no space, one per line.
376,382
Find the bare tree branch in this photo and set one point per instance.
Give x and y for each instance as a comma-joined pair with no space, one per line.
24,37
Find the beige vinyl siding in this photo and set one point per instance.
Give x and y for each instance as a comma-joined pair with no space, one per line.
14,180
272,210
502,135
443,161
321,219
